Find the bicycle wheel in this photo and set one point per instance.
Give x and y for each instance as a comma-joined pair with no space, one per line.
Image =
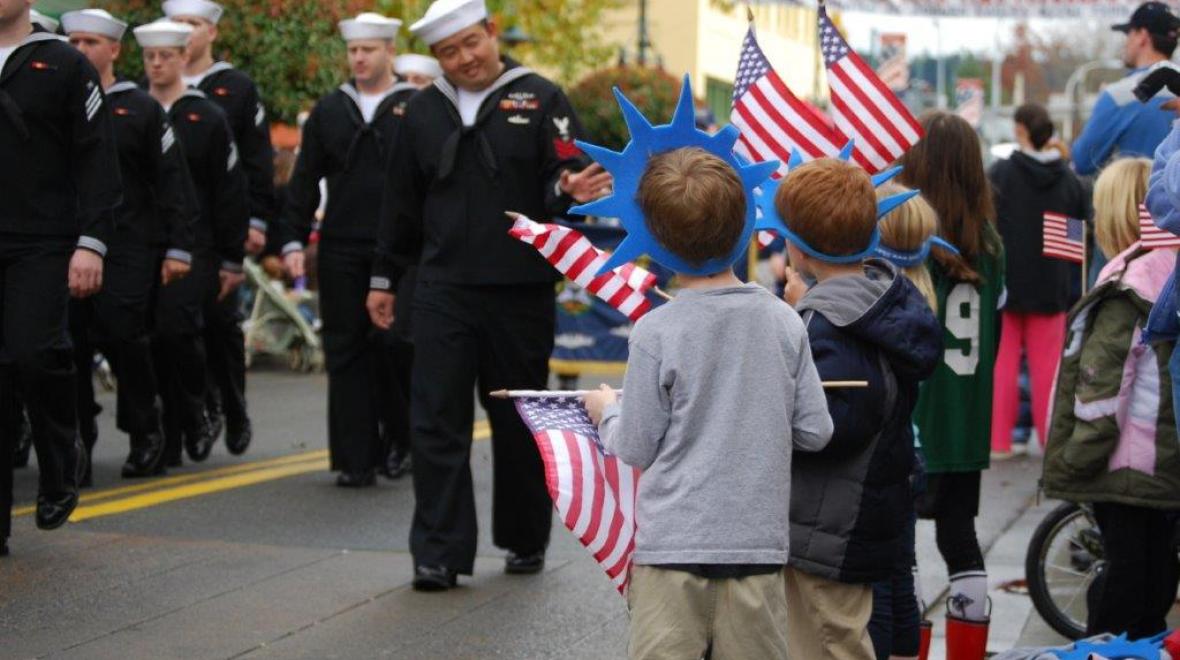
1064,557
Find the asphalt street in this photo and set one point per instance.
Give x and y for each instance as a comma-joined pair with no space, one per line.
263,556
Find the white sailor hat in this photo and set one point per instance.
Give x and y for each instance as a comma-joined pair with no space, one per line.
163,34
95,21
445,18
210,11
369,26
423,65
44,21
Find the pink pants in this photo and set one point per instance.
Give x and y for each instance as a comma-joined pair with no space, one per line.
1040,337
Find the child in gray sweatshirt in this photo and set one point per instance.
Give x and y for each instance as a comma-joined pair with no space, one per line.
720,389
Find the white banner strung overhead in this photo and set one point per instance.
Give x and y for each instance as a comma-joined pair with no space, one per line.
996,8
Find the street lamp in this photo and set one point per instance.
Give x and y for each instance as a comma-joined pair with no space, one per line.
1076,79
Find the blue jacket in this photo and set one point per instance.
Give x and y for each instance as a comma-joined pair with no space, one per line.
1163,201
851,502
1120,123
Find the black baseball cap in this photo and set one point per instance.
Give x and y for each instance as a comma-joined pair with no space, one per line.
1155,17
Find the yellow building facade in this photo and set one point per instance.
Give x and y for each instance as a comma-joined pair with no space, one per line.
704,37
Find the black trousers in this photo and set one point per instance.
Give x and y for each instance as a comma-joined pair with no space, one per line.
396,363
356,354
11,414
225,347
490,338
178,349
1136,591
116,322
34,298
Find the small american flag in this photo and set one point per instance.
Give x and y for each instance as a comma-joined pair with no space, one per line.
772,120
1064,238
1151,236
574,256
593,492
863,107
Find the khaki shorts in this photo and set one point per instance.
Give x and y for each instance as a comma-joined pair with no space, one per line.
676,615
828,619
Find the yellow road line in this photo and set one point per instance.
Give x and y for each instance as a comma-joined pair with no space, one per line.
175,480
184,486
195,490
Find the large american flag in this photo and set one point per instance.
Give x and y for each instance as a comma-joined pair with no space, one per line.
1151,236
772,120
863,108
593,492
1064,238
574,256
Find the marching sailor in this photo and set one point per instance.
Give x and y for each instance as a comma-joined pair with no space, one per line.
491,136
59,182
237,95
219,183
151,245
347,141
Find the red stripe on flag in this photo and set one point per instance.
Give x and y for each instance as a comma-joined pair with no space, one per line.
883,120
575,510
902,113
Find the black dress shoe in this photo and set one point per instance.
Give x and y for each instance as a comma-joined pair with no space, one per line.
147,456
238,435
198,442
356,479
524,564
54,511
434,578
397,464
216,423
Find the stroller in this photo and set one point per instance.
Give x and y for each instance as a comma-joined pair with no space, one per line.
282,323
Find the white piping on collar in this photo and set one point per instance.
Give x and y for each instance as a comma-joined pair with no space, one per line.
217,67
509,76
37,36
354,94
121,86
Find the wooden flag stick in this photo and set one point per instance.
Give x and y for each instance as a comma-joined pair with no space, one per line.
566,394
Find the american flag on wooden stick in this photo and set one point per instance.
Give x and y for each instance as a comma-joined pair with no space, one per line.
863,107
1153,237
1064,238
593,492
574,256
772,120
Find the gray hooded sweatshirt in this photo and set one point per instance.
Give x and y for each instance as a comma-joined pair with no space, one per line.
720,389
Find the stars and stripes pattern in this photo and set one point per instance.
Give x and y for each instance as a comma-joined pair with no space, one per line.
1153,237
593,492
574,256
1064,238
772,120
863,108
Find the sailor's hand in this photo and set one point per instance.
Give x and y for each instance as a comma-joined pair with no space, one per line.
229,281
173,270
587,185
380,306
85,274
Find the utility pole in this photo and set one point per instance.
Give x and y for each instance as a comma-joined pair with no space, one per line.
644,42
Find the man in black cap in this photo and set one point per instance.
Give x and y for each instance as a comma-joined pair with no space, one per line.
59,182
1120,124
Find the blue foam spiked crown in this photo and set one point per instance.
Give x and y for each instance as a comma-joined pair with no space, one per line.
770,220
628,167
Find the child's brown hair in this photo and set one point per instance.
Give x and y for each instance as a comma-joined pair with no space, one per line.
947,166
829,204
694,204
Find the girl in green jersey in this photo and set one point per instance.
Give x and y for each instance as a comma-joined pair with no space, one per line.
953,413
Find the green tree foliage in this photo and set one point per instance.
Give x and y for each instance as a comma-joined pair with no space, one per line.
294,52
653,91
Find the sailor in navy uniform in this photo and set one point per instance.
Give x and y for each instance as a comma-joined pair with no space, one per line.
220,188
237,95
59,182
151,246
347,141
491,136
